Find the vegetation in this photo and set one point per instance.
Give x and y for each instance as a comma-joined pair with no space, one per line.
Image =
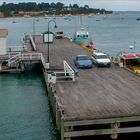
11,9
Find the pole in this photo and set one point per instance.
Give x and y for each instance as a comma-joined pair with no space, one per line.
48,44
49,38
34,29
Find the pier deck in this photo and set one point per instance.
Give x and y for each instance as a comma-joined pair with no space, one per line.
111,94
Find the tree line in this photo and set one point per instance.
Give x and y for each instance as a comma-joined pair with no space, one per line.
10,9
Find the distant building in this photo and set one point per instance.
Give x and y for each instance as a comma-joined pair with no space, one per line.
3,41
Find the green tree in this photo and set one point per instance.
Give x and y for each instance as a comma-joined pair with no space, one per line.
75,6
86,6
7,13
59,6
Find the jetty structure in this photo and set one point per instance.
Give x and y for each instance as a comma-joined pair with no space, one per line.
92,102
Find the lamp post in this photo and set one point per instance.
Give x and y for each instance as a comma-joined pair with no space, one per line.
55,26
34,29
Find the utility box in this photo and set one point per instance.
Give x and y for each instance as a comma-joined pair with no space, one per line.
48,37
3,41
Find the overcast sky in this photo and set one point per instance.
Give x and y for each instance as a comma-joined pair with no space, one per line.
115,5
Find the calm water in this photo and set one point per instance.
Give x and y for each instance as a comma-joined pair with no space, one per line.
24,109
111,33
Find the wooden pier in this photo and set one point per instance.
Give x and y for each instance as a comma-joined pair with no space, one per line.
97,101
100,101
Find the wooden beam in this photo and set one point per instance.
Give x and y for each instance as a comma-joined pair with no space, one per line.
62,128
101,132
101,121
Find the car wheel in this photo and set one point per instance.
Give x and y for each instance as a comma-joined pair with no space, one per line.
97,64
77,66
109,65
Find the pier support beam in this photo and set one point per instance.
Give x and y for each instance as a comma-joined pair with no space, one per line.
62,128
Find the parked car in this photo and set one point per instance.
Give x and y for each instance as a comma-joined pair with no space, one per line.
101,59
59,35
83,61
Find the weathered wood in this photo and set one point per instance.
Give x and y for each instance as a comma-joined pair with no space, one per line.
101,121
97,92
62,128
99,95
101,132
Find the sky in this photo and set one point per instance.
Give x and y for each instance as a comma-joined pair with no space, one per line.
115,5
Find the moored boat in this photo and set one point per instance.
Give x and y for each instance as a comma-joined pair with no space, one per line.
83,38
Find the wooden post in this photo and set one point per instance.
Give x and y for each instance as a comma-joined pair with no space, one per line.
58,121
62,126
68,129
115,125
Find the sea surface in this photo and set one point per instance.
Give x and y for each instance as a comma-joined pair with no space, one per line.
24,108
111,33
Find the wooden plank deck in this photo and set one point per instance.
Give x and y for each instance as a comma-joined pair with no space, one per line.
97,92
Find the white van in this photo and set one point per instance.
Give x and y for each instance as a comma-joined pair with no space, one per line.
101,59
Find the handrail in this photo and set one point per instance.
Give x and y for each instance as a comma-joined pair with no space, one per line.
33,43
69,70
24,56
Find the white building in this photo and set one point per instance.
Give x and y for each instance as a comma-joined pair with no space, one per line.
3,40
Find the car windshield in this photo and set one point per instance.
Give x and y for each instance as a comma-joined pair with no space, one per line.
83,58
101,56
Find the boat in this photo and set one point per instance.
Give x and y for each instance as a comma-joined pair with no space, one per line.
14,22
90,15
83,38
130,61
138,18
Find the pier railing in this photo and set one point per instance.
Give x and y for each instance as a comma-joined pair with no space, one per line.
69,70
33,43
14,60
67,74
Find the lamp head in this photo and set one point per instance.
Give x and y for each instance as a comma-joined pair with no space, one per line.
55,26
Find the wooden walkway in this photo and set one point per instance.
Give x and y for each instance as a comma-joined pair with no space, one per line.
98,96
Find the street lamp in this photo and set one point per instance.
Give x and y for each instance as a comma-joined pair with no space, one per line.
55,26
34,29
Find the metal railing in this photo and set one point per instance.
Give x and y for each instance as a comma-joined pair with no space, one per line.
68,73
24,57
69,70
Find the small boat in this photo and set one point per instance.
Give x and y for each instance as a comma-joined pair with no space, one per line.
14,22
90,15
83,38
138,18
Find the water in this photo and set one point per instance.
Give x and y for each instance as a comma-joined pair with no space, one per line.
111,33
24,109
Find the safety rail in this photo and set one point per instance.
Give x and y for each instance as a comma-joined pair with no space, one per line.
33,43
30,56
67,74
23,57
69,70
13,60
